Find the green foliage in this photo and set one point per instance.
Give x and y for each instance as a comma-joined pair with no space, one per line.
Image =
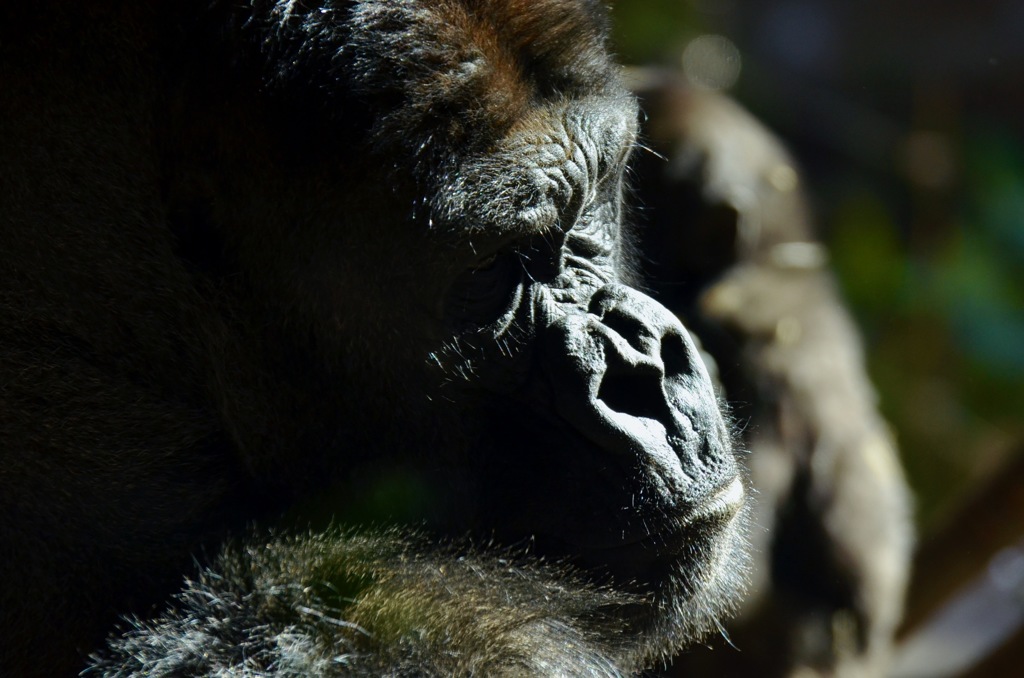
868,255
945,322
645,31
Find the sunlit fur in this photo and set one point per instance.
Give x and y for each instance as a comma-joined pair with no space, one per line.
395,603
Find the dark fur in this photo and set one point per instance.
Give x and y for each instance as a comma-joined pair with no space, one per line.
249,264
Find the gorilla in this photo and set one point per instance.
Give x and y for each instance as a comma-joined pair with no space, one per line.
327,306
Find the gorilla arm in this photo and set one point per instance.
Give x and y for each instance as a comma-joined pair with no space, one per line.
389,604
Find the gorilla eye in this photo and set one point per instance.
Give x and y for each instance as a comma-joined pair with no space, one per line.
485,292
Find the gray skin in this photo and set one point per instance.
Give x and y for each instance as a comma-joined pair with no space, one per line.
264,262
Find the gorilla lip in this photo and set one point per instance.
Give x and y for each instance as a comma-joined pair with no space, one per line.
640,557
710,515
724,503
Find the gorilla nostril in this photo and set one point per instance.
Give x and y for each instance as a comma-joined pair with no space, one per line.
635,394
675,354
630,328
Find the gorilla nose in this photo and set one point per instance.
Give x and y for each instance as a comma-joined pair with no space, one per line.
629,377
646,348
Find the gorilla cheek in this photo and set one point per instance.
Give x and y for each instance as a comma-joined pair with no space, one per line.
629,380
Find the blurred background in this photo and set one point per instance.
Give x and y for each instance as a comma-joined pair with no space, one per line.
907,117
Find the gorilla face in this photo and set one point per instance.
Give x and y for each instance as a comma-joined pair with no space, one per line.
269,256
444,248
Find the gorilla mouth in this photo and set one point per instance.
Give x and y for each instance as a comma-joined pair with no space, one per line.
650,557
724,504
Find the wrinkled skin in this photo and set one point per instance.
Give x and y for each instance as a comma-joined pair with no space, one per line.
266,259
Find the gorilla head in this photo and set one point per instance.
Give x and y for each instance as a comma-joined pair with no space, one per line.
398,251
445,241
